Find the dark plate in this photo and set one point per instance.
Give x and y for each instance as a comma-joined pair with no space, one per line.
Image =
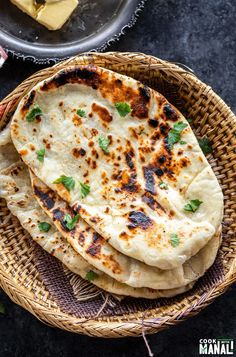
91,27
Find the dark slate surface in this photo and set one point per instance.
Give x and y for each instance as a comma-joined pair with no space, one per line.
202,35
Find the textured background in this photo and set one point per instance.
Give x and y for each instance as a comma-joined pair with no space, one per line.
200,34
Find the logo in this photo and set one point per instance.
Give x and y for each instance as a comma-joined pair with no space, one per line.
216,347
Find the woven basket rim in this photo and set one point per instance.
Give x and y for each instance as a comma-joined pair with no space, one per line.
121,325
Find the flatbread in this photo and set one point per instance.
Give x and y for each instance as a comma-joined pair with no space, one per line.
126,204
15,188
8,153
98,252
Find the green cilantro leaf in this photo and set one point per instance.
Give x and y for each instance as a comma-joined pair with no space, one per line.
34,112
192,206
44,226
91,275
103,143
173,137
123,108
84,189
40,155
175,133
67,181
2,309
81,113
71,222
205,145
182,142
180,126
163,185
174,240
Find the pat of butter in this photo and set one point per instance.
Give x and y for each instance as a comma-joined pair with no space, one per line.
53,15
26,6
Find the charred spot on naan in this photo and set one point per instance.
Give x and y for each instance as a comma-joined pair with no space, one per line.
81,239
15,128
27,103
124,235
95,153
103,113
58,216
170,112
47,143
111,264
129,158
91,163
140,103
47,197
78,152
138,219
94,249
153,122
129,182
77,121
16,170
95,219
148,174
64,193
22,203
152,203
23,152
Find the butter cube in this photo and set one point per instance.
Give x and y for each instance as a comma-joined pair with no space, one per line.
26,6
53,15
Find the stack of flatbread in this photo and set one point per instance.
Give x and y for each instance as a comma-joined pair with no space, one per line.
108,177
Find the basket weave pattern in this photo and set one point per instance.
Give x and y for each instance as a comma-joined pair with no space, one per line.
212,117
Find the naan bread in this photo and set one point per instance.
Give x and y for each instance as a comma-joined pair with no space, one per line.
8,153
98,252
15,188
126,204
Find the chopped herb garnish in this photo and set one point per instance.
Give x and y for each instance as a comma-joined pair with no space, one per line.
81,113
67,181
205,145
174,240
44,226
174,134
71,222
163,185
182,142
180,126
91,275
40,155
34,112
103,143
123,108
84,189
2,308
192,206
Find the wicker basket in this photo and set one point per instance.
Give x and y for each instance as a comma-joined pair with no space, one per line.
18,275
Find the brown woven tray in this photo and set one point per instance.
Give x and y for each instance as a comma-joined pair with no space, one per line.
19,276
